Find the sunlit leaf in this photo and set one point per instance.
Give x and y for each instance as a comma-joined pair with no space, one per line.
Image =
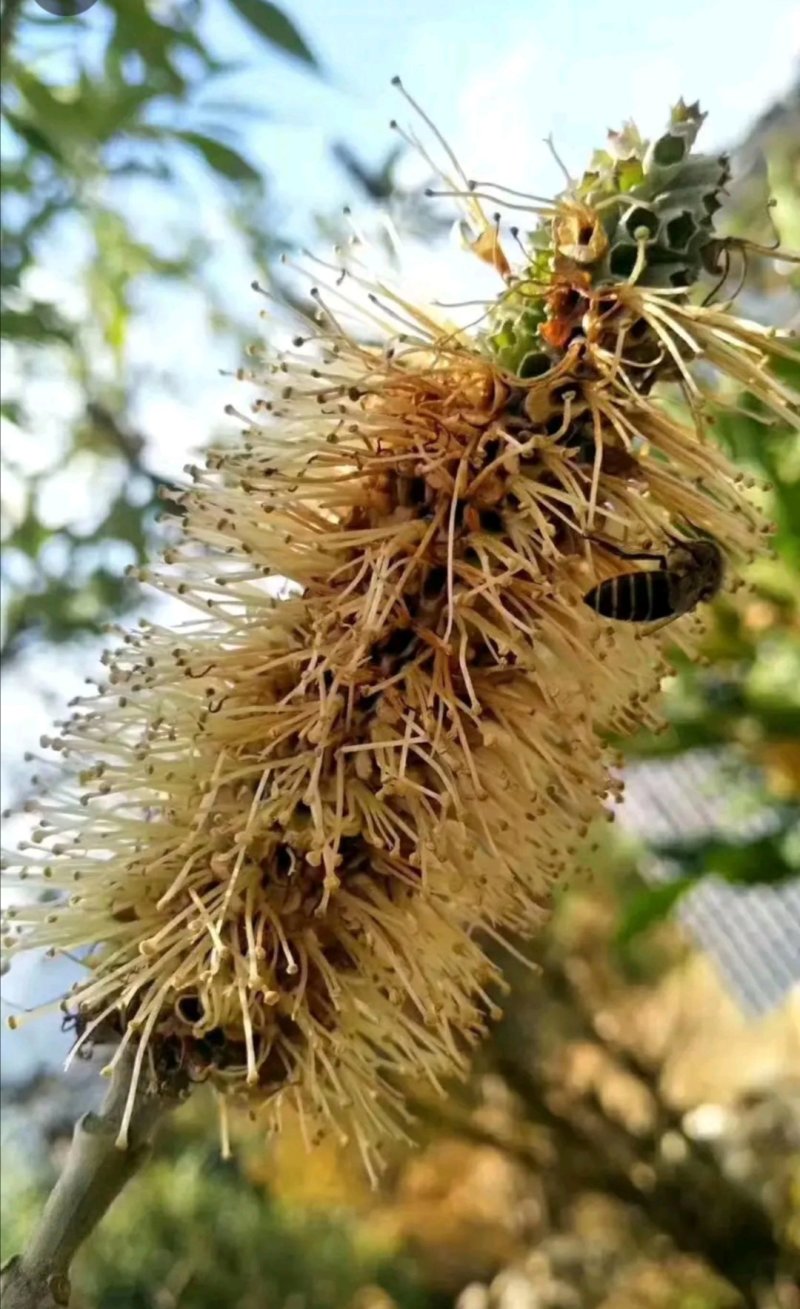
29,536
222,158
763,860
31,134
137,30
11,410
652,906
38,324
272,24
57,117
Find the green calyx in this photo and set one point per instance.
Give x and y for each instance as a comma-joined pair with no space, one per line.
515,322
658,193
644,210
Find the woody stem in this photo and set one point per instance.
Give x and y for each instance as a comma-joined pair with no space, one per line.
94,1174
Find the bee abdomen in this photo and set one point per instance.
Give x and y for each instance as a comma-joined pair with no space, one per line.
642,597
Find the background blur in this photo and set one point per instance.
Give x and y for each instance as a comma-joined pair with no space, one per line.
630,1137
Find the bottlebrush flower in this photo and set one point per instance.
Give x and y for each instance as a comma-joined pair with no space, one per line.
284,834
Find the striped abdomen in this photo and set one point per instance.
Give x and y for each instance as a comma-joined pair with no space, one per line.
642,597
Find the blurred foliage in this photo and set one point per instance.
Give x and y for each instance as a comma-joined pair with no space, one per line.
575,1169
129,94
107,121
767,163
195,1231
742,697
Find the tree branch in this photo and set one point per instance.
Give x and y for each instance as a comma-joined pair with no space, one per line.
95,1172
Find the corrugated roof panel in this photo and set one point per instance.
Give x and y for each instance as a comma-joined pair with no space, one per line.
751,933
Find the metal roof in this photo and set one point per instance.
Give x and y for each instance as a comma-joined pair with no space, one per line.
752,933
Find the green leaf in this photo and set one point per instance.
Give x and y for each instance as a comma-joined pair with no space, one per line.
41,322
652,906
29,536
31,135
12,411
271,23
766,860
222,158
136,29
58,116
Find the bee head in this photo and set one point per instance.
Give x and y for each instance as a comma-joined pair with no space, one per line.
704,561
711,561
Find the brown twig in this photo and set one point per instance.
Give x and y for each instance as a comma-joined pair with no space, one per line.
95,1172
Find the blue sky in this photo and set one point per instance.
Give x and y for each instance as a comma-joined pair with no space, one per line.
496,80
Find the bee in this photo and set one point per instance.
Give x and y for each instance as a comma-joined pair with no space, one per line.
689,573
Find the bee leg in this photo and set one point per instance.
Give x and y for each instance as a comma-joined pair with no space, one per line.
652,628
725,261
617,550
